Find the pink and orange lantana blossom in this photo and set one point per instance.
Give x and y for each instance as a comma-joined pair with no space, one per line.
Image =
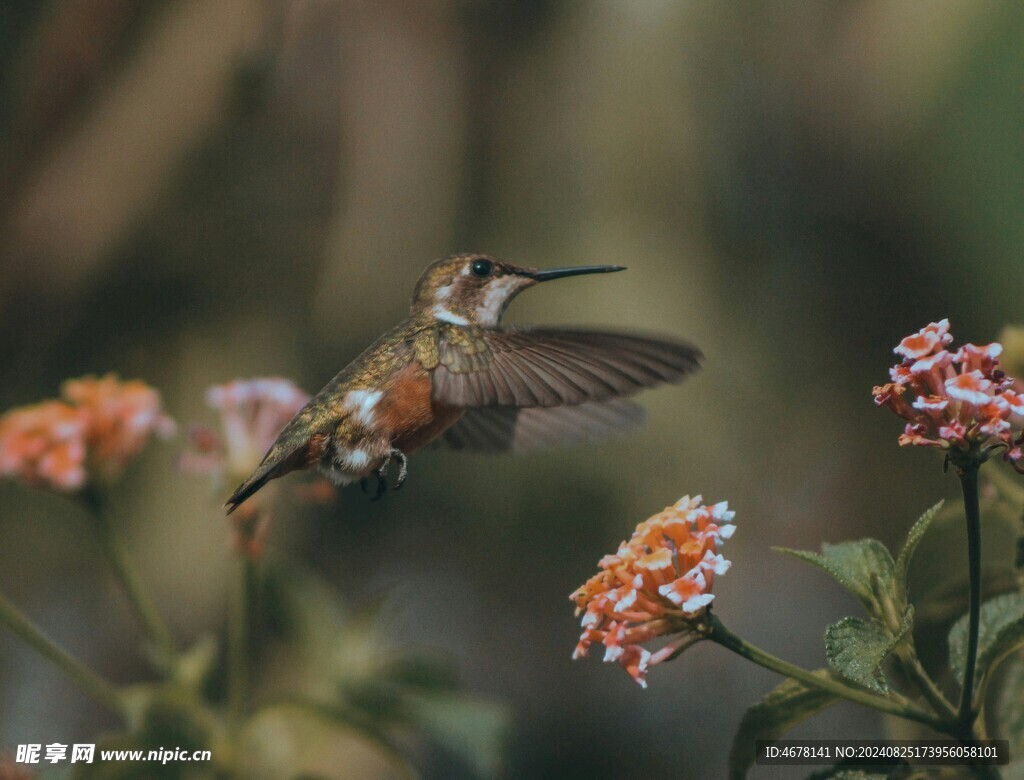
956,399
120,416
98,427
658,583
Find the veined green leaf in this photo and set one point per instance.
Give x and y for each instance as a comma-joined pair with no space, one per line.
855,565
856,649
1001,631
917,532
1010,713
784,707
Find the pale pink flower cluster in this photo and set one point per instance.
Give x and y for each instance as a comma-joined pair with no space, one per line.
93,432
954,399
657,583
252,413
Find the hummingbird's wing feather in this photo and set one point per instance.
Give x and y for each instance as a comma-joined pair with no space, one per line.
552,367
508,429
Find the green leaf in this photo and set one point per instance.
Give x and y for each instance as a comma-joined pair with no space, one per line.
298,737
158,716
857,566
856,649
1010,713
195,665
421,695
784,707
473,729
917,532
1001,631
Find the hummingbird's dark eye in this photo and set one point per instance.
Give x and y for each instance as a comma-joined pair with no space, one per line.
481,267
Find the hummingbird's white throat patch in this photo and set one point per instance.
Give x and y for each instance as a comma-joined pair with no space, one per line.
361,403
496,298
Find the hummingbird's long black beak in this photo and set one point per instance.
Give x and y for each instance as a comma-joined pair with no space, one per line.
558,273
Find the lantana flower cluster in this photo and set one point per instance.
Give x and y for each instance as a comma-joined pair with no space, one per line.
92,432
252,413
657,584
958,399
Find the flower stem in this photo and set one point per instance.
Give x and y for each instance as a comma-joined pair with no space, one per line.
968,473
721,635
239,630
82,676
156,631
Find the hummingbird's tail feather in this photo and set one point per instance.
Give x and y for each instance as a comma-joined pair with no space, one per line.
278,462
246,490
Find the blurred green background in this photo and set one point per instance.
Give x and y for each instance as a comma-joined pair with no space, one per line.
200,190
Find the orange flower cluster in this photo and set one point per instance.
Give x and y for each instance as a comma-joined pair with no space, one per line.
44,446
956,399
658,583
100,425
121,418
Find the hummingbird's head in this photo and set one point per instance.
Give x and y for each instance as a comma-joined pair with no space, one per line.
475,289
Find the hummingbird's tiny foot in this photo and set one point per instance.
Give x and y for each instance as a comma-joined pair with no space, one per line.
364,485
403,466
382,487
382,481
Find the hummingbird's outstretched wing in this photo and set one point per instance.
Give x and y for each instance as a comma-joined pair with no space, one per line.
508,429
552,367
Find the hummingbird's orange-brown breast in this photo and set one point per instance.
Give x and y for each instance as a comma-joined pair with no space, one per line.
408,414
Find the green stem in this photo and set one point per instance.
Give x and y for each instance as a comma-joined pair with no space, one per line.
85,678
239,628
720,634
911,665
156,631
968,473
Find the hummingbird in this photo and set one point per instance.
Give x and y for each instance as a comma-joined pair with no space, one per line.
451,373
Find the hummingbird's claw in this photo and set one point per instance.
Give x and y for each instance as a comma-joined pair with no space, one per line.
382,479
403,466
382,474
382,486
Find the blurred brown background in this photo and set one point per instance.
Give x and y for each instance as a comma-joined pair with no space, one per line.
197,190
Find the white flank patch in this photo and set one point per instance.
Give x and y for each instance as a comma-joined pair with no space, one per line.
356,460
361,404
441,313
496,298
339,478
